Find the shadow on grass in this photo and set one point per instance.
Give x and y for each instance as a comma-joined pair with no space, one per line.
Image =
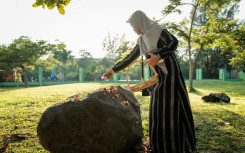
220,103
219,131
6,89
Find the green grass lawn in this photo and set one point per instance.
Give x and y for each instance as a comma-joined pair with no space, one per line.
220,127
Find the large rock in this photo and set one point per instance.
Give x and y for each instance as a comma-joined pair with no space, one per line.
216,97
106,121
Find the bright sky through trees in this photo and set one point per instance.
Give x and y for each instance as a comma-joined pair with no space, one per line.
85,24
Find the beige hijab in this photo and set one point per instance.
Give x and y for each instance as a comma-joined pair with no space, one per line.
150,34
150,31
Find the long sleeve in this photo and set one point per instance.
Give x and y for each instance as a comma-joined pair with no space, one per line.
135,53
167,42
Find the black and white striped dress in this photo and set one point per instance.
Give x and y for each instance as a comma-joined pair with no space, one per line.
171,125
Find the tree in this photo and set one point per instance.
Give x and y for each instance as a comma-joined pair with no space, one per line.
73,67
23,53
238,60
49,63
124,46
3,57
110,45
60,53
98,68
218,51
85,59
201,36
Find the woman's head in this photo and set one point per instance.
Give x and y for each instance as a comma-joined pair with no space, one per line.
140,22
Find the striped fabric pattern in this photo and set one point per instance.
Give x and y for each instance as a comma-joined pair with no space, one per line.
171,125
171,122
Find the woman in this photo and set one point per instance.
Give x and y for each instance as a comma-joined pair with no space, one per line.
171,127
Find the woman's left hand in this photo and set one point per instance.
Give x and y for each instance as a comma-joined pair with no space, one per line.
153,61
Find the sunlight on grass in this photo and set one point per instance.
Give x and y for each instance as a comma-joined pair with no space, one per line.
220,127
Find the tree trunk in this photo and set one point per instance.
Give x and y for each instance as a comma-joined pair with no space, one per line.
26,79
191,64
191,73
25,76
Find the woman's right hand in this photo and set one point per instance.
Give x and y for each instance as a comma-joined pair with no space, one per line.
108,74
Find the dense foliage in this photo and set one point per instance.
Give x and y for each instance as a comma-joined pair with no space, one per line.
211,26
